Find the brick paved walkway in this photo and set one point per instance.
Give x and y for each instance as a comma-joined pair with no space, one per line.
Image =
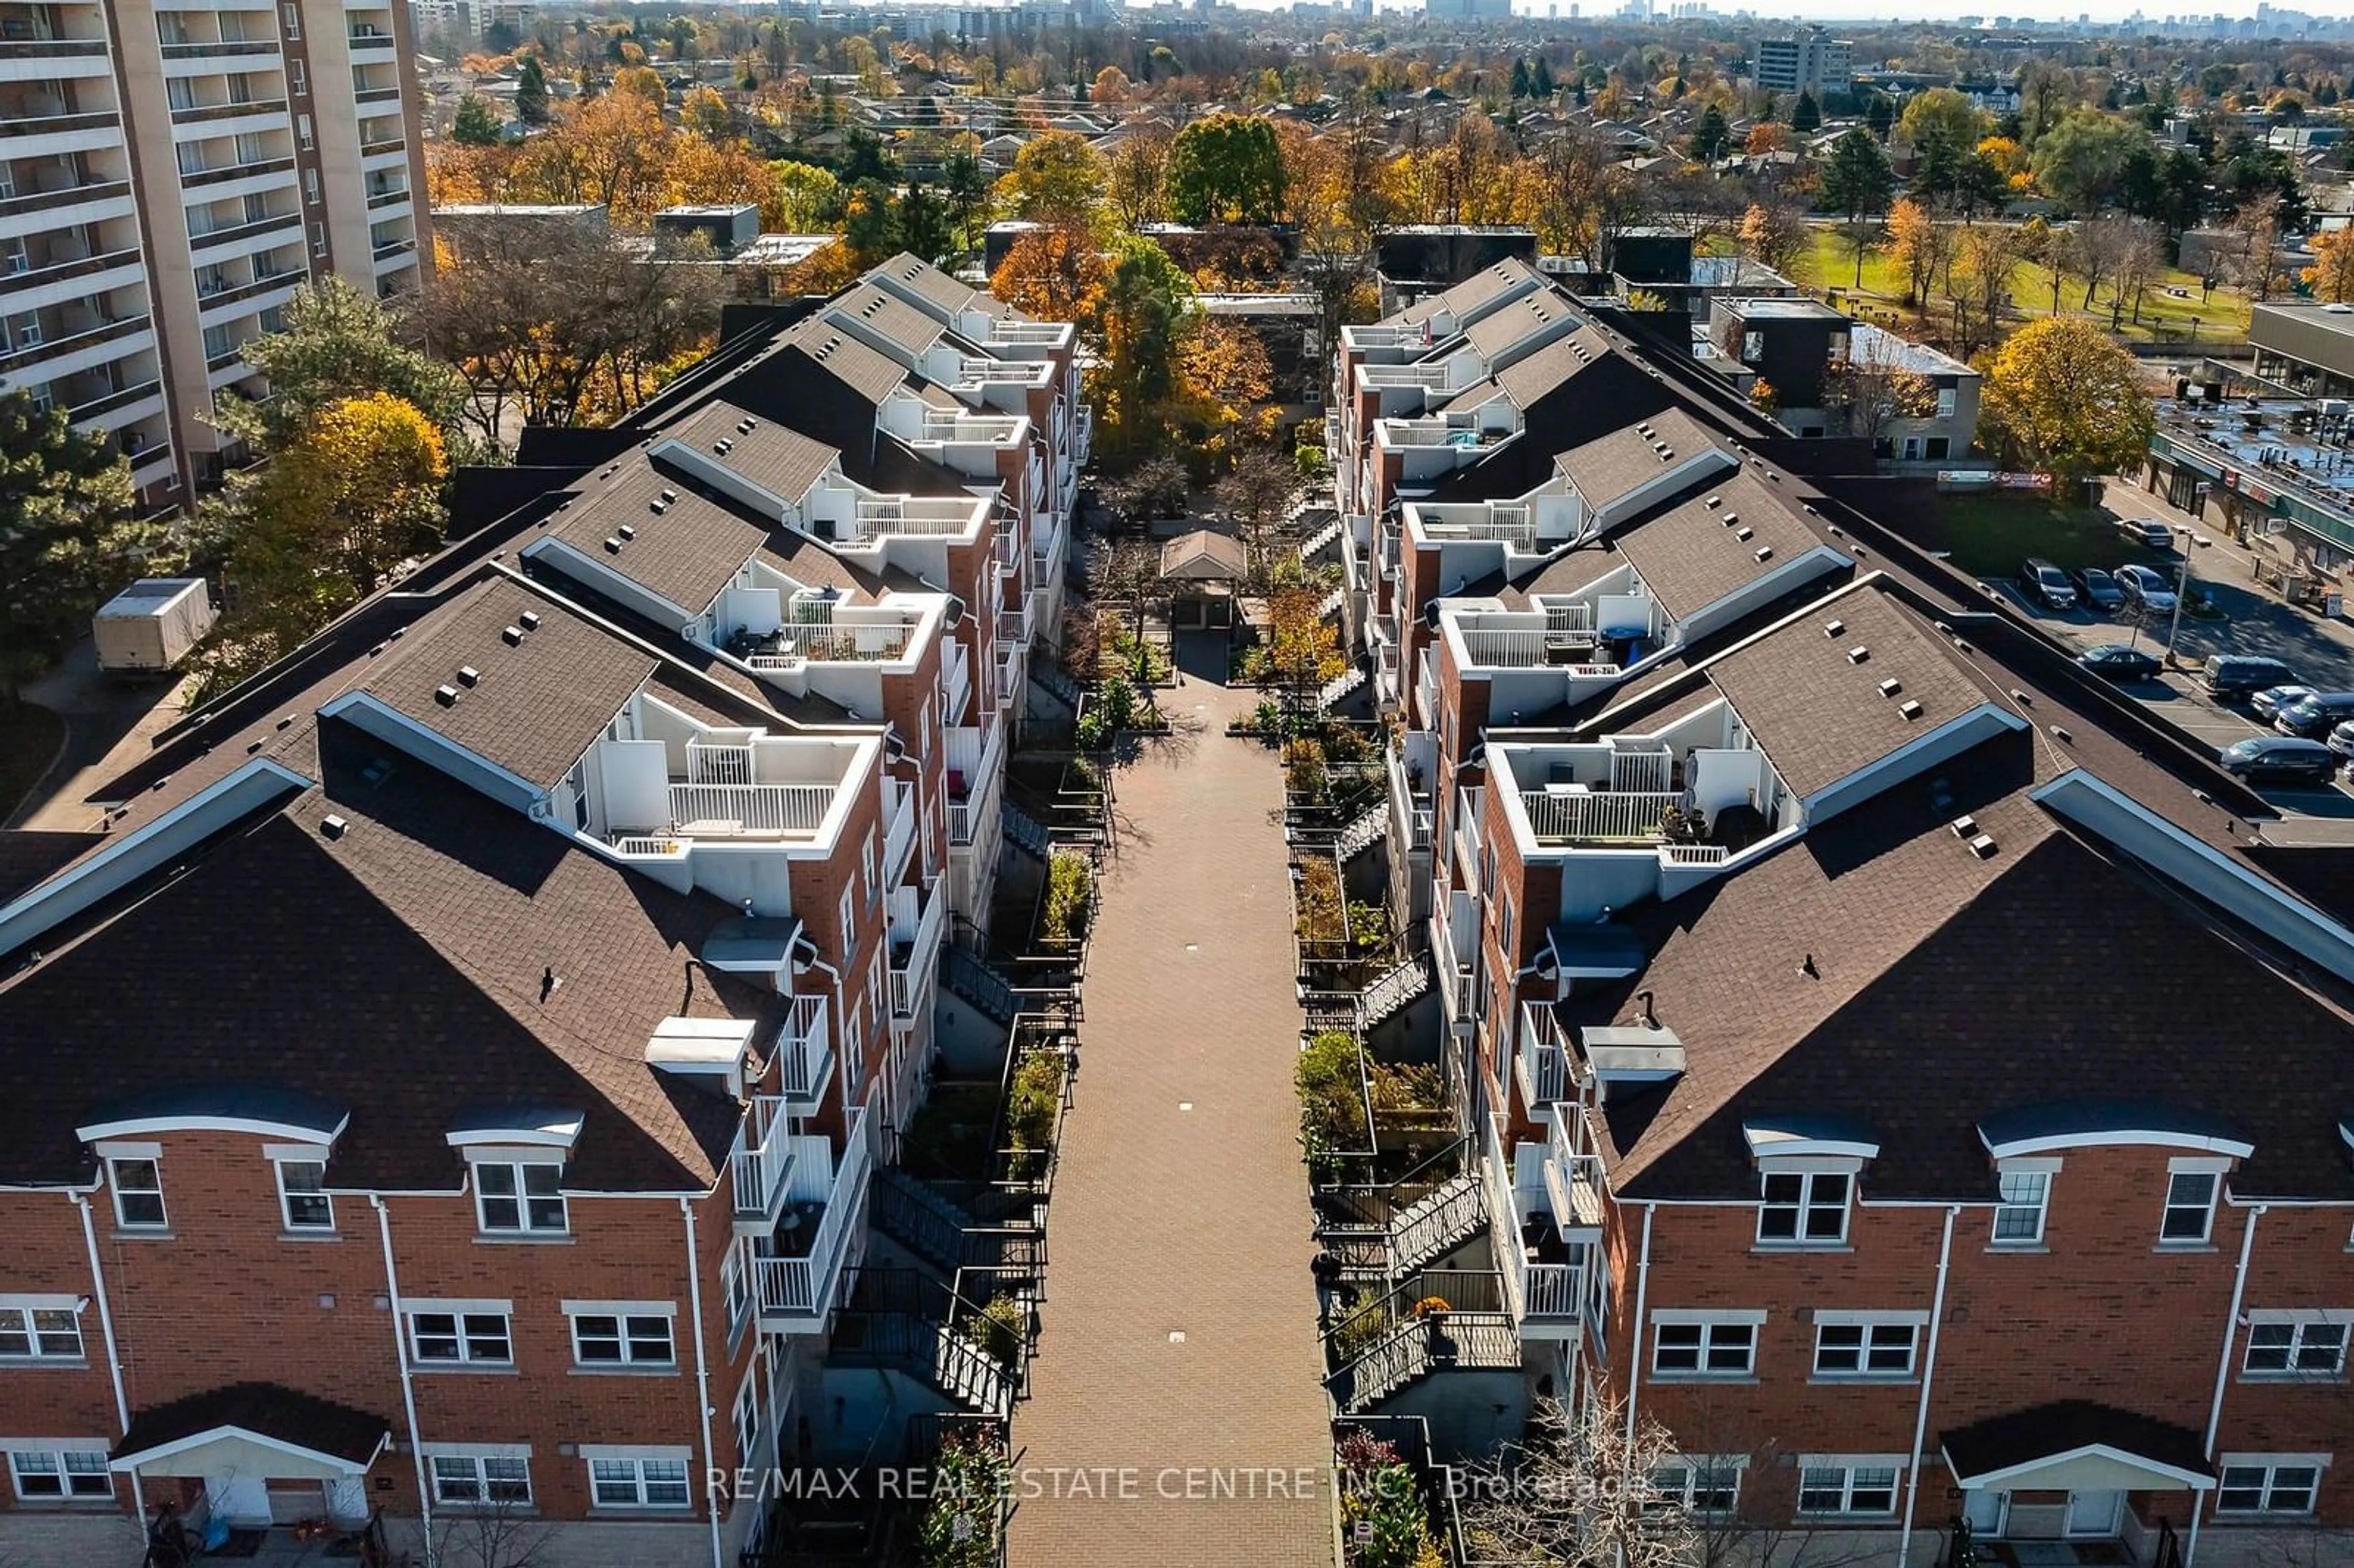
1170,1221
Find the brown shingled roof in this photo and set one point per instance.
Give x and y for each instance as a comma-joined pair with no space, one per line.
539,704
1555,365
1611,465
871,374
922,277
1693,555
1817,712
686,552
1466,296
886,315
781,460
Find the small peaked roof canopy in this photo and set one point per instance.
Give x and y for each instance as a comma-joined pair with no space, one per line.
1205,555
2108,1449
2077,1124
335,1437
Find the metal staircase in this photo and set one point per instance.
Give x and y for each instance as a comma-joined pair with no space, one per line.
1436,1224
1318,542
1388,996
1047,678
1364,833
1025,831
903,1319
1415,1348
989,993
1341,686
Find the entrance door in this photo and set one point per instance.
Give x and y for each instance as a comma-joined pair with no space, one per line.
1987,1510
1911,449
2095,1513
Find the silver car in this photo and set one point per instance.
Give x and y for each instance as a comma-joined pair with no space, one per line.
2267,704
2147,590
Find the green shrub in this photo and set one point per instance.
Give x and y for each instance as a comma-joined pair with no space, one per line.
1322,919
1331,1101
1092,734
1070,888
960,1524
1030,1110
999,1330
1115,701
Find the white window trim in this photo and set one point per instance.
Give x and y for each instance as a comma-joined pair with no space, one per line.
521,1197
57,1448
2298,1318
1694,1465
1807,1169
34,1355
474,1453
621,1312
2043,1165
281,1157
1705,1320
2269,1464
115,1191
1867,1321
592,1453
1849,1464
459,1311
2193,1165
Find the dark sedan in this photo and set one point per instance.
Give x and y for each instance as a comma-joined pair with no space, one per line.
2098,589
2115,661
2273,759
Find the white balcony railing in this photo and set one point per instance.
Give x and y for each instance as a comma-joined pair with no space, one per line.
1573,1181
805,1052
1013,625
839,643
990,430
1573,815
762,1157
911,970
801,1287
1552,1289
956,682
899,836
921,516
1545,1060
729,810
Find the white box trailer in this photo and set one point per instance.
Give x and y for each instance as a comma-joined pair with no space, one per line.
152,624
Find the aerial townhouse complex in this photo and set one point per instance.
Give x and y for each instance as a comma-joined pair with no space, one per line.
451,1089
1883,1059
167,177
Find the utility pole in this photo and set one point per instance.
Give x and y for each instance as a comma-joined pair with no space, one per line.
2182,592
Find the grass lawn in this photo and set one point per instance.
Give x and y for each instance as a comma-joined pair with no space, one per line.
28,743
1988,535
2222,317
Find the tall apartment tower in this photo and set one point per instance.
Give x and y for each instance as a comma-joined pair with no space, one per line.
1810,60
168,174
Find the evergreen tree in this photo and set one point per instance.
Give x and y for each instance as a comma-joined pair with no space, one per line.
1541,79
1710,137
1880,113
65,529
1806,115
530,92
477,124
1521,82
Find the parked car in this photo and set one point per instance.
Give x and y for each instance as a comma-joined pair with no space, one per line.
2341,739
2115,661
2234,675
2046,584
2098,589
2268,703
2316,716
2146,590
2149,531
2268,760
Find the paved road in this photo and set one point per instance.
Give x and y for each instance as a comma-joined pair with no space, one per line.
1180,1350
2256,620
111,725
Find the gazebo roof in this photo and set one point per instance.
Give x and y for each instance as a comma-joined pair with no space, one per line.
1205,555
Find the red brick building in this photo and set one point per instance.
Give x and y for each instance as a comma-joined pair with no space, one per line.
1887,1065
448,1083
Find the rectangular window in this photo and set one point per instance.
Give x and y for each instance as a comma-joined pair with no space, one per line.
303,1199
520,1198
1948,400
1805,1207
461,1339
138,1193
318,239
1709,1487
745,1417
294,14
1704,1349
638,1483
59,1475
296,80
2019,1218
2315,1350
302,130
2189,1206
869,868
1859,1490
1865,1349
465,1478
2267,1489
849,931
621,1339
311,187
40,1333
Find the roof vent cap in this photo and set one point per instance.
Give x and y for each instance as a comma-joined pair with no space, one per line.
1982,846
1858,655
1764,552
1891,686
446,695
332,826
1744,535
1833,628
626,532
1909,709
468,676
528,620
669,496
512,636
612,545
1965,826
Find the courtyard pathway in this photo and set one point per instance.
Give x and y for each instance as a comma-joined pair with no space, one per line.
1177,1392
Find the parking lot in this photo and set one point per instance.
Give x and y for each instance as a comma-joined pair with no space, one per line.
2252,620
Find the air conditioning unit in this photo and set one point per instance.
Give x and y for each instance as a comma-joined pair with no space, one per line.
1463,1028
